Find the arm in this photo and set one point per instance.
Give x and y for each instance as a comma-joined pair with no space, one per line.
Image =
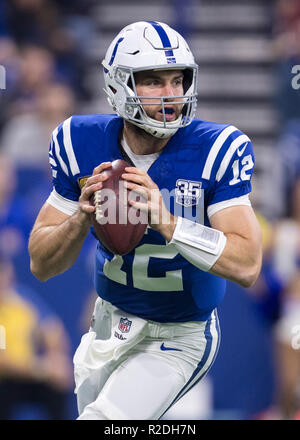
55,241
239,261
241,258
57,238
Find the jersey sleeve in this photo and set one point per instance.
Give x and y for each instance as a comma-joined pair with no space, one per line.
233,175
64,167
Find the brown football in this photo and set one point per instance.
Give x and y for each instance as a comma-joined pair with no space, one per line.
118,225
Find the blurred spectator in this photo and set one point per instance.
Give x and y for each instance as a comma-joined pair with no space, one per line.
288,146
15,217
287,51
3,18
31,20
264,302
288,356
36,72
25,138
9,58
286,244
35,366
267,291
64,33
287,262
286,26
277,295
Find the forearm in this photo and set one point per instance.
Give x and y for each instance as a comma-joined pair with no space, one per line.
54,249
233,256
240,261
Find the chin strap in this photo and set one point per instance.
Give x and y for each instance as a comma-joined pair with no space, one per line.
161,132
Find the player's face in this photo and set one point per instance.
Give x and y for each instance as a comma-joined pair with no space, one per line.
160,83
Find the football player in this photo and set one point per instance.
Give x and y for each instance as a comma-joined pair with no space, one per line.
155,330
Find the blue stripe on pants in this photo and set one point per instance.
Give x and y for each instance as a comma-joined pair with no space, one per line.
207,351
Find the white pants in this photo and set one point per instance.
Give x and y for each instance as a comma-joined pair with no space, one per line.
128,368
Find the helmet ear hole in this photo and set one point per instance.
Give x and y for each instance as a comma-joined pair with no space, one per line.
187,80
184,110
112,89
129,83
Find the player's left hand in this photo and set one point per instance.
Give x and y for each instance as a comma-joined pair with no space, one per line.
159,217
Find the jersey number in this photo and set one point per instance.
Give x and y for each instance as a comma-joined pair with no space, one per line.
172,281
238,175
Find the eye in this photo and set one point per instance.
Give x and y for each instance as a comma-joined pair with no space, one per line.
178,81
153,82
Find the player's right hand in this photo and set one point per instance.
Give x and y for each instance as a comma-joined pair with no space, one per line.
93,183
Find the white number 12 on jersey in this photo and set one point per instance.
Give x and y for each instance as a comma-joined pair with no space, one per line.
172,281
238,175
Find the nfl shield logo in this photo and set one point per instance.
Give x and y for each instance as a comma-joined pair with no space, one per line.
124,325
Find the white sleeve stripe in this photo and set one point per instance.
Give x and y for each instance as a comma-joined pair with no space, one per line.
69,147
61,203
57,152
229,153
219,142
236,201
52,162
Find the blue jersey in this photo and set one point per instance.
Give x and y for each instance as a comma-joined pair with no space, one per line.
204,164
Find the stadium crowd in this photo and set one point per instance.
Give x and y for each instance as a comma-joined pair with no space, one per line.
44,47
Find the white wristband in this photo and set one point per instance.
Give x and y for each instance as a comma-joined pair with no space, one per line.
199,244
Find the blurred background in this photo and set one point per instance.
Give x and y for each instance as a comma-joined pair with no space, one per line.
248,53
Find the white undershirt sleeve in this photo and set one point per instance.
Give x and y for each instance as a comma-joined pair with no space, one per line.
243,200
59,202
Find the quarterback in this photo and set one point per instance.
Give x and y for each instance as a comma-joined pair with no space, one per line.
154,331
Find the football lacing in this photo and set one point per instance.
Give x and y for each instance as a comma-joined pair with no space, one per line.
98,206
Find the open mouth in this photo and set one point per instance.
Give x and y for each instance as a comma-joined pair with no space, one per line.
169,114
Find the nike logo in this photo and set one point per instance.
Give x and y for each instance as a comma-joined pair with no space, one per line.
240,152
163,348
